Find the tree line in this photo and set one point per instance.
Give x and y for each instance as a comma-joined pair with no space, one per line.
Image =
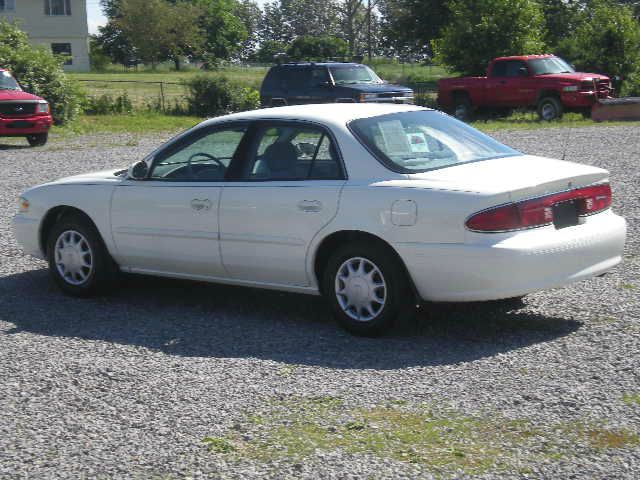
602,35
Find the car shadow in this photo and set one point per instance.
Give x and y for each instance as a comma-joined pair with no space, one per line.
202,320
11,146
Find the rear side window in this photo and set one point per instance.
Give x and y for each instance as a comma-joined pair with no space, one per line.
293,152
499,69
271,80
297,77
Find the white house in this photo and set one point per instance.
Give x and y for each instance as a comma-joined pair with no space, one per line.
61,25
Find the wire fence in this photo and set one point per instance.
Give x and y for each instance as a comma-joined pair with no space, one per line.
171,96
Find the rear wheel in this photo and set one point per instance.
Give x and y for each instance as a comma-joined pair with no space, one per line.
38,139
549,108
79,263
366,288
462,108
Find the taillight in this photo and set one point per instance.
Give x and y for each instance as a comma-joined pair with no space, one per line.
538,212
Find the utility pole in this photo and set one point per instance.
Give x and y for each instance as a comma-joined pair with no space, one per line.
369,30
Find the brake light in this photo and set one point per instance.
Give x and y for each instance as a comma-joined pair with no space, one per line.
538,212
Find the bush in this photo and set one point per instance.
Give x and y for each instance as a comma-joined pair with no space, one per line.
39,72
212,96
307,47
108,105
607,41
481,30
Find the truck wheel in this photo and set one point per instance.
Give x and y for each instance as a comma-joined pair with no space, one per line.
462,108
38,139
549,108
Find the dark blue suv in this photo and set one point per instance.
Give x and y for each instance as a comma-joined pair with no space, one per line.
302,83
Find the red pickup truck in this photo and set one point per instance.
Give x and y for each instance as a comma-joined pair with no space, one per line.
544,82
22,114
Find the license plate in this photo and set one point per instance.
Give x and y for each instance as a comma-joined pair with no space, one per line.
20,124
565,214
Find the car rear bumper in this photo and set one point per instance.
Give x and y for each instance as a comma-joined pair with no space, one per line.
495,266
26,232
20,127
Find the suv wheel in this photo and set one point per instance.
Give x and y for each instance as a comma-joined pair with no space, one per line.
365,288
549,108
38,139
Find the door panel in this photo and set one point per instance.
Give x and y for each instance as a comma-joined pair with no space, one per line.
266,227
169,227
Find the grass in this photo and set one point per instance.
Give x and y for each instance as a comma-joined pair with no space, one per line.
631,398
441,441
140,124
529,121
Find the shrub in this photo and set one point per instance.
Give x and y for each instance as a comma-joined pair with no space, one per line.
307,47
481,30
108,105
212,96
607,41
39,72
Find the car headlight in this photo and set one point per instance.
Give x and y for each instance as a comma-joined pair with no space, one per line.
43,107
570,88
23,205
367,96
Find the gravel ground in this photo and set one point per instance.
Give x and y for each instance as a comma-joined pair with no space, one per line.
129,385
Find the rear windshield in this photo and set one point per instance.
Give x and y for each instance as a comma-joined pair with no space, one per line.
7,82
418,141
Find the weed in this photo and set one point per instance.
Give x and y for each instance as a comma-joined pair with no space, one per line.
219,445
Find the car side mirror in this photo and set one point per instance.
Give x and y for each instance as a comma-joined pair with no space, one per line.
138,170
326,85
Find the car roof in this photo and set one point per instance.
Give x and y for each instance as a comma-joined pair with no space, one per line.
326,113
524,57
322,64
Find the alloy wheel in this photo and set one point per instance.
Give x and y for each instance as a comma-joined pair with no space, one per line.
360,289
73,257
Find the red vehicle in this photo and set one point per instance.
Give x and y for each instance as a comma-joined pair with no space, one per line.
544,82
22,114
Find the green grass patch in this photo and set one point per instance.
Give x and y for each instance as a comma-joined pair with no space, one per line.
631,398
439,440
138,123
530,121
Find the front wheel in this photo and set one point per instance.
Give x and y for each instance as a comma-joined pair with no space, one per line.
79,262
38,139
366,288
549,108
462,107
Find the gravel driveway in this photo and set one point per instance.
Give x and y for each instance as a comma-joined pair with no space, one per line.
129,385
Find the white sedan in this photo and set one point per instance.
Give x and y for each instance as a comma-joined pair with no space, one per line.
376,207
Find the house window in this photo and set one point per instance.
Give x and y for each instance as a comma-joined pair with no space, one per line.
7,5
63,49
57,7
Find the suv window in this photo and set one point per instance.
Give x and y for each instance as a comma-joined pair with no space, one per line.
296,77
293,152
205,156
499,69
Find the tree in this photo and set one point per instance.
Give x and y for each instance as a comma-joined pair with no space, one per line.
284,20
224,32
159,30
481,30
608,41
314,48
39,72
268,50
250,14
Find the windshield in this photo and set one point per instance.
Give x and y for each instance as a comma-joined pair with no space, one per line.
411,142
353,74
545,66
7,82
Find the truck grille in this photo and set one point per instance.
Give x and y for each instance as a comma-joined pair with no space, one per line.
17,109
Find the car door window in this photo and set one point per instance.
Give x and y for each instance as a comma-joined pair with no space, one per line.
499,69
293,152
205,157
319,76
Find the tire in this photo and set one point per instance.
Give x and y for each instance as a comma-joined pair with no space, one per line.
550,108
82,267
462,107
38,139
380,268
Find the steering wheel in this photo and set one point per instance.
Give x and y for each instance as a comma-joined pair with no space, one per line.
206,155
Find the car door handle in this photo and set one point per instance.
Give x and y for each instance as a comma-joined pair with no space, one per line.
201,205
310,205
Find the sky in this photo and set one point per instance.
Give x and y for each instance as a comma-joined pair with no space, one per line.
97,19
